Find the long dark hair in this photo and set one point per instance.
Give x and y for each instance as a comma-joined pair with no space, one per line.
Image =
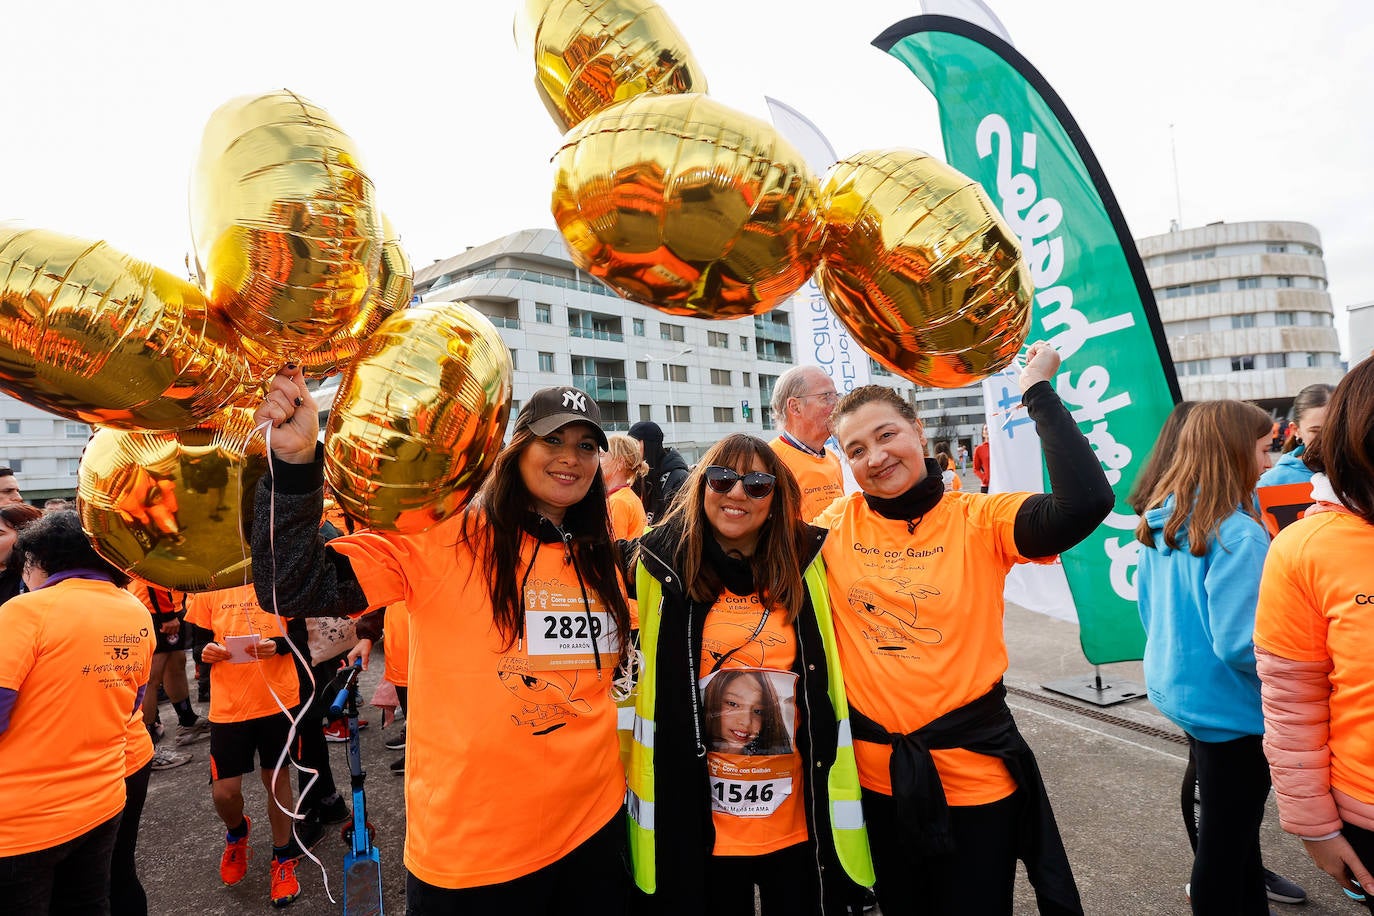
1344,451
492,528
1318,395
777,560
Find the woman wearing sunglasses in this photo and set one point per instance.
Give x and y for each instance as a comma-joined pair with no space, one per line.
739,776
951,791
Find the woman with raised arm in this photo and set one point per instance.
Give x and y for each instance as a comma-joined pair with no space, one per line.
951,791
514,786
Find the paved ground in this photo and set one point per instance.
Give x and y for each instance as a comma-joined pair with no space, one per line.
1114,788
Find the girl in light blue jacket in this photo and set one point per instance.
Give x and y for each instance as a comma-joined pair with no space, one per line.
1198,582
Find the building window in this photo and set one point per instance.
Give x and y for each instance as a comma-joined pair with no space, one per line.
1276,249
1243,321
76,430
723,414
766,417
637,325
73,465
674,373
545,362
671,332
12,427
679,413
747,382
718,339
1241,363
744,343
514,363
641,370
1248,283
1285,318
720,376
543,313
646,412
1301,360
1285,282
1203,254
14,464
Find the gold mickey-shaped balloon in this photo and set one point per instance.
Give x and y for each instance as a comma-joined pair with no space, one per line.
92,334
689,206
589,54
287,233
392,290
922,269
419,417
170,508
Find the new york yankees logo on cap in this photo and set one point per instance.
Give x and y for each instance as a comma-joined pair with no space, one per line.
550,409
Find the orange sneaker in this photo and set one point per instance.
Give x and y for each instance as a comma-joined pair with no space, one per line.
233,865
285,887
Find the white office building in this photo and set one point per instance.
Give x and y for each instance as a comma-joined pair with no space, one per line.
1361,331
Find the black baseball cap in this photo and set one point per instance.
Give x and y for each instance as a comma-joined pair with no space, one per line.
550,409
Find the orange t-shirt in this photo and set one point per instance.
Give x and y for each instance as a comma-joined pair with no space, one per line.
749,697
512,759
396,634
821,479
628,522
77,653
1316,602
240,691
918,621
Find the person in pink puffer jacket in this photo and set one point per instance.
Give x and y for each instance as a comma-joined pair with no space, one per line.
1313,629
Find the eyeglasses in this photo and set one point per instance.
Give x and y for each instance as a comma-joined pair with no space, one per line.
757,484
827,397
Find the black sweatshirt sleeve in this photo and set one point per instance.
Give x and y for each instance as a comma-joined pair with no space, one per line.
200,638
1079,498
293,570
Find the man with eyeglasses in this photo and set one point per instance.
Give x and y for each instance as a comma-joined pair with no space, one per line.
9,489
804,399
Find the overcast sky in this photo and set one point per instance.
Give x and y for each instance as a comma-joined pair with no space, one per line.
104,103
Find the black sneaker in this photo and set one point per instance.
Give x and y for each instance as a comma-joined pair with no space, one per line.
398,766
309,830
1281,890
396,742
334,811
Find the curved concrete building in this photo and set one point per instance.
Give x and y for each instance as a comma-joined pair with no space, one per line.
1245,309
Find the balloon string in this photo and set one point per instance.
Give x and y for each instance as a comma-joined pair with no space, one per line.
295,813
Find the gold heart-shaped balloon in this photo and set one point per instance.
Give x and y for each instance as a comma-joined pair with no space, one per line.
682,203
170,508
287,233
590,54
92,334
922,269
392,290
419,417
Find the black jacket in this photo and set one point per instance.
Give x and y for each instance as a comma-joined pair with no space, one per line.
662,483
683,828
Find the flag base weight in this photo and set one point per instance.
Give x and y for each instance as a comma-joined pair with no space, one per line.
1092,689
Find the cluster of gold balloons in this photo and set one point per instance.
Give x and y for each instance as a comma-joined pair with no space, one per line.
295,263
678,202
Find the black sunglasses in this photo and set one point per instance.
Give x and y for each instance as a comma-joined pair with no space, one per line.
757,484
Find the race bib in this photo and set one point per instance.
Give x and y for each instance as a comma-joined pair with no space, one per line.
749,786
563,639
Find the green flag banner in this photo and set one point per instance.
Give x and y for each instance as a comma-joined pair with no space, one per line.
1005,127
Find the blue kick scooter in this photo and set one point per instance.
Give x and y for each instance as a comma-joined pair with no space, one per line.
362,863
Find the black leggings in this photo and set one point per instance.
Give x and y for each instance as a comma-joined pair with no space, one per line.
126,892
1233,781
592,880
978,879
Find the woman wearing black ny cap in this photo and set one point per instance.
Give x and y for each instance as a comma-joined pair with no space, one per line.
514,785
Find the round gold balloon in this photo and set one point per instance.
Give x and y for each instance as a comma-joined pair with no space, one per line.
392,290
92,334
287,233
922,269
589,54
173,508
682,203
419,417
